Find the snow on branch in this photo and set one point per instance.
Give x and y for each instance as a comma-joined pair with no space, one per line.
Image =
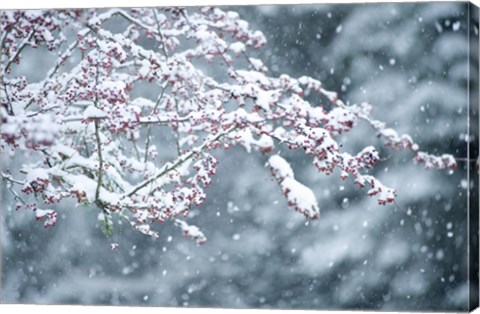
49,217
404,141
93,141
299,197
191,231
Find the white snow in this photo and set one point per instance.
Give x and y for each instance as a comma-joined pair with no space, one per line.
302,197
238,47
280,166
299,197
257,64
246,139
456,26
49,215
36,174
94,112
191,231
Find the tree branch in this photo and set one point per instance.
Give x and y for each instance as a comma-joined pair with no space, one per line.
22,46
161,35
181,160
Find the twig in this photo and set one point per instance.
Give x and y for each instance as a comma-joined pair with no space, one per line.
407,212
97,136
10,182
159,99
9,178
161,35
177,135
100,161
22,46
10,107
181,160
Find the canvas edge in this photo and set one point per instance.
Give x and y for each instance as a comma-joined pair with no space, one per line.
473,152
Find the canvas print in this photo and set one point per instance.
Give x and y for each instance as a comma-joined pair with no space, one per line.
319,156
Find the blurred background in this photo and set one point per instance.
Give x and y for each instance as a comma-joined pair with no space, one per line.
411,61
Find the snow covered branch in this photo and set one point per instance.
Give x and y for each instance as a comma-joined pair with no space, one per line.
299,197
88,127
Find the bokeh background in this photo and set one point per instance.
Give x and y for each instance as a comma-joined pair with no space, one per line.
411,60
